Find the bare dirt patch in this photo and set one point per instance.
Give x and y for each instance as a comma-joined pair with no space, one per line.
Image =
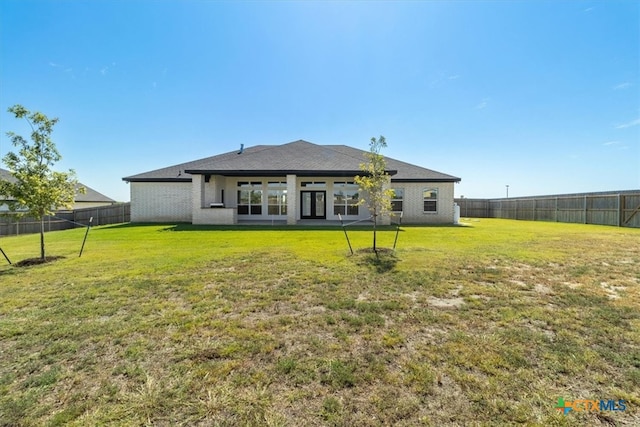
454,301
542,289
446,302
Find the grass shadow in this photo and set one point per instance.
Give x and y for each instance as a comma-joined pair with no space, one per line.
36,261
382,260
186,226
125,225
269,227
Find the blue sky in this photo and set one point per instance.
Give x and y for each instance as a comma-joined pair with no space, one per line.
543,96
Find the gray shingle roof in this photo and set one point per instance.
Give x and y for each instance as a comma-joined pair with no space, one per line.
298,157
6,175
90,195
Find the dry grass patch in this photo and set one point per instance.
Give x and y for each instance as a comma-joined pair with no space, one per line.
480,325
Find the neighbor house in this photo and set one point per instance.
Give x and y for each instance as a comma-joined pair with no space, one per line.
291,183
89,199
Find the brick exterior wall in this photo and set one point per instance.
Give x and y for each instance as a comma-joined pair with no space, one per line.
413,206
292,199
161,201
220,216
173,202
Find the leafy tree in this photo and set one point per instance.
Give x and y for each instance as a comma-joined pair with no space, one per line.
373,181
36,189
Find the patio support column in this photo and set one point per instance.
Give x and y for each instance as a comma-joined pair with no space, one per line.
197,196
292,199
214,193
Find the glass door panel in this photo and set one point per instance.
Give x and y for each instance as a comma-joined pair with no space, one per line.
320,204
313,205
306,204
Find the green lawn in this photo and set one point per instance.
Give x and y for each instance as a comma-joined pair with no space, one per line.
485,324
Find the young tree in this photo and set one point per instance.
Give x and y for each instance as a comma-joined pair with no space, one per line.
36,189
373,181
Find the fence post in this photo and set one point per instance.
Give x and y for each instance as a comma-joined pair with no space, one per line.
620,210
585,209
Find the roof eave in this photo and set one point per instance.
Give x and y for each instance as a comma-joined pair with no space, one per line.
132,179
280,172
454,179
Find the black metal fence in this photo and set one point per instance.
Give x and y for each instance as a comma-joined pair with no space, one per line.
617,208
64,220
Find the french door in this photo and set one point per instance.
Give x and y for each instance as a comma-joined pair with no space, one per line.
313,205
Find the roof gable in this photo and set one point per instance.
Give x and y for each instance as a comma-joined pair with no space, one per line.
298,157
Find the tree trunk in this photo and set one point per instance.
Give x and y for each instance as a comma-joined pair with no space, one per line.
375,221
42,239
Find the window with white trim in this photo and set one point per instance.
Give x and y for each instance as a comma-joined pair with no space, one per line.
249,198
345,198
396,200
430,200
276,198
319,184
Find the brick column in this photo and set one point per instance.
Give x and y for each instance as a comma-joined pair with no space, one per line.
292,199
197,198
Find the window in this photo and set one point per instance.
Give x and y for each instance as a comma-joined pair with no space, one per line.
345,198
396,200
277,198
430,200
250,198
321,184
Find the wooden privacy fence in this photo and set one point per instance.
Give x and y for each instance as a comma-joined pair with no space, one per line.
621,209
102,215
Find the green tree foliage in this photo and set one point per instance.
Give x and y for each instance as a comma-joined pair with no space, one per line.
36,189
374,181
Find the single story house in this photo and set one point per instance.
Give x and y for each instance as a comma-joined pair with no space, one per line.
90,199
290,183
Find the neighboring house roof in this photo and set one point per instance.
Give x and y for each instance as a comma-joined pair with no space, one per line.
6,175
90,194
301,158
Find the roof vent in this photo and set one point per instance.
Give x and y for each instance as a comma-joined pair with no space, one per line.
241,149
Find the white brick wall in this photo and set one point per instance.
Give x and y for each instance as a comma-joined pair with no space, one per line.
413,206
292,200
226,216
161,201
172,202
